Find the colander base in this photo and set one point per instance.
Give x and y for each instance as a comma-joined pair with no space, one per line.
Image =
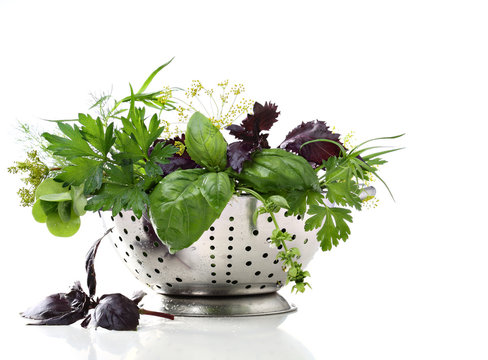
225,306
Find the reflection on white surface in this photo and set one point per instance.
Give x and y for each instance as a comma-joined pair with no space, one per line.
183,338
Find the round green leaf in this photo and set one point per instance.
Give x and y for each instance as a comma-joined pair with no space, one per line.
63,229
49,186
65,196
37,212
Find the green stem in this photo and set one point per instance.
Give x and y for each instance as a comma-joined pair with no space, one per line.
260,198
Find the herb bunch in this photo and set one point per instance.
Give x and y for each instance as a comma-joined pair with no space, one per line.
121,161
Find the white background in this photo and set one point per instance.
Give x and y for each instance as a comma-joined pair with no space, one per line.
412,280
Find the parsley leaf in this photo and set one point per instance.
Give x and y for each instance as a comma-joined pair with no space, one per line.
81,171
332,221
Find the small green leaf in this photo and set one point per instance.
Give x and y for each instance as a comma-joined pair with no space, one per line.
217,189
205,143
151,77
279,200
65,196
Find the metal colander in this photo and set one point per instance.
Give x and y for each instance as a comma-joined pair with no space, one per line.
233,257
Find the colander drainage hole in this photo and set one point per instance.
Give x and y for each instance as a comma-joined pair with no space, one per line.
248,263
156,244
144,254
214,281
160,259
270,219
148,275
168,284
227,273
248,286
213,274
248,248
262,286
146,228
234,282
257,273
229,265
120,214
157,271
212,237
229,256
276,262
212,256
120,238
231,228
178,279
265,255
133,218
227,281
231,218
230,247
255,232
212,228
112,218
231,238
212,247
138,238
270,275
125,231
131,247
126,253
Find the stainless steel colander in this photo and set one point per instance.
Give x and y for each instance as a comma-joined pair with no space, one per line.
233,257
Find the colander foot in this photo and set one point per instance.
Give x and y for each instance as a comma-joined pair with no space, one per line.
226,306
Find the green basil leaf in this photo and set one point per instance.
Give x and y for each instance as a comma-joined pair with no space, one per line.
276,171
279,200
217,189
205,143
179,211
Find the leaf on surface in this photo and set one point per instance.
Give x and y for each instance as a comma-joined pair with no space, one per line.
116,312
61,308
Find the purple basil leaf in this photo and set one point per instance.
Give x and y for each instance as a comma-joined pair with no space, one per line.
249,132
116,312
61,308
176,161
315,152
91,279
237,153
263,118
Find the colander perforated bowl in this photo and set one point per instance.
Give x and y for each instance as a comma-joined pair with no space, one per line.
233,257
